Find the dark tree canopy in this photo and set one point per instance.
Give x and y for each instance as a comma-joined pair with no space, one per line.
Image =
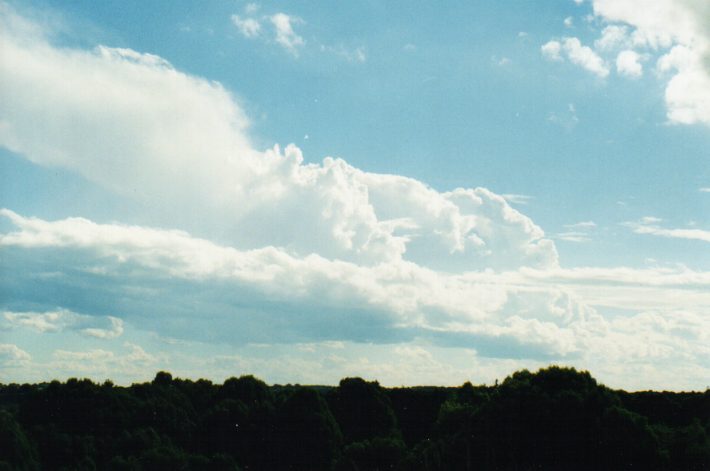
552,419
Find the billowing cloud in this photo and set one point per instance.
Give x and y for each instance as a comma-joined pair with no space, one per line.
551,50
675,32
525,314
178,144
628,63
398,299
612,38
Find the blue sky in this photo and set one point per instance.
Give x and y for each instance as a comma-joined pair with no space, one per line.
415,193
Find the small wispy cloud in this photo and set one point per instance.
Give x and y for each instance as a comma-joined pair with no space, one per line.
351,55
285,35
704,190
517,199
573,236
578,232
577,53
650,220
280,24
248,27
567,119
501,61
650,226
582,225
585,57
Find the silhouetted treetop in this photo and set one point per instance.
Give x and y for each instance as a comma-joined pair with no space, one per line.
554,419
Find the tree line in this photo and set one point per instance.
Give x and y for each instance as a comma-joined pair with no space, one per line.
553,419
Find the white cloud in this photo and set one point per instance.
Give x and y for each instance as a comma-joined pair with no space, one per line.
628,64
127,365
178,144
42,322
96,355
351,55
11,355
107,327
525,313
285,35
585,57
114,330
551,50
680,29
402,291
514,198
567,119
677,32
248,27
688,91
582,225
568,22
704,190
613,37
573,236
649,226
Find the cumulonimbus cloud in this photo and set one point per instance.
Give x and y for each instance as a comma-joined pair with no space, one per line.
135,125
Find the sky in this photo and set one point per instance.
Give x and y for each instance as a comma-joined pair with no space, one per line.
412,192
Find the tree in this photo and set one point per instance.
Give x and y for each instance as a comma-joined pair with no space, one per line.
309,437
16,450
363,411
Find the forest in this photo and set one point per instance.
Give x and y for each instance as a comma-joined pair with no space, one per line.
553,419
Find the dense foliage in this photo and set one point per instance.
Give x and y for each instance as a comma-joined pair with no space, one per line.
555,419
